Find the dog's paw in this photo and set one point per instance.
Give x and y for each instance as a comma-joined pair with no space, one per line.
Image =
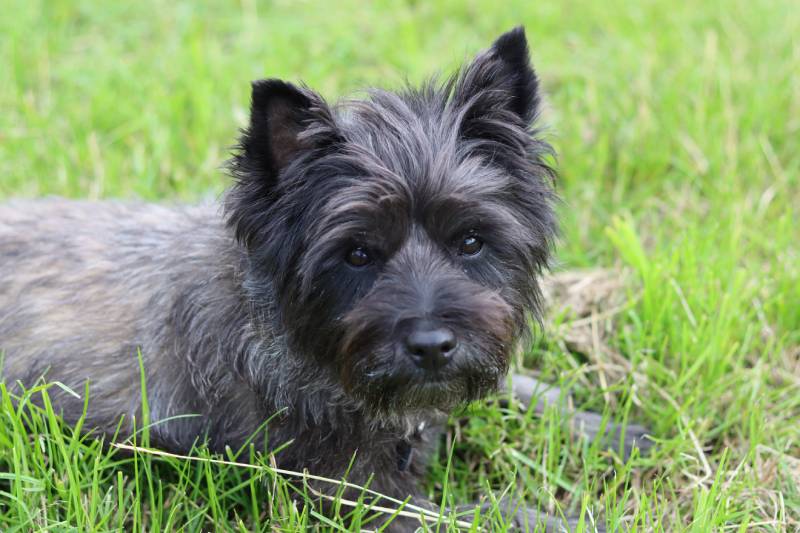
636,436
529,520
622,438
526,519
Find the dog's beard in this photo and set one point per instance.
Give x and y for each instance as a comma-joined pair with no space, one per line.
386,381
375,367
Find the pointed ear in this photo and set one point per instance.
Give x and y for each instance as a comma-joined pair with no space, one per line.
501,79
279,115
286,122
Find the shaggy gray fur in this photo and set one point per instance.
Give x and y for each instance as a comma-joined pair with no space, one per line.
250,310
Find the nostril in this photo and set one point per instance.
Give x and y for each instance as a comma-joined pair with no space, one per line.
448,345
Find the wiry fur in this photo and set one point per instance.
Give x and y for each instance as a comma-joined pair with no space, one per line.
250,310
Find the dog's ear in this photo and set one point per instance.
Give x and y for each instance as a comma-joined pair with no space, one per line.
500,80
280,115
286,122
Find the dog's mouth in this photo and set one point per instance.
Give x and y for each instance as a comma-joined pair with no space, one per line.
391,383
395,361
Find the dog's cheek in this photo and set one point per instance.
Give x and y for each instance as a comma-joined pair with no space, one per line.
350,364
504,270
494,330
316,315
357,352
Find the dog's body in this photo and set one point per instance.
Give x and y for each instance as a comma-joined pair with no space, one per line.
373,267
105,282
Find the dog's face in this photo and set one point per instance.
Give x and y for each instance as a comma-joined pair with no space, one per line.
401,235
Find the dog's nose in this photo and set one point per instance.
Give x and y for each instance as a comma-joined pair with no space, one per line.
430,347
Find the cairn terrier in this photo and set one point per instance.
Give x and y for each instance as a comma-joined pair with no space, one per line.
373,266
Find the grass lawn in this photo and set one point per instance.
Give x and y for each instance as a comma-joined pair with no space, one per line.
678,131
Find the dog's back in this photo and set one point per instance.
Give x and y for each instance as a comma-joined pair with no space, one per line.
84,286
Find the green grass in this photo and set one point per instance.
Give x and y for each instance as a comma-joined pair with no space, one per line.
677,126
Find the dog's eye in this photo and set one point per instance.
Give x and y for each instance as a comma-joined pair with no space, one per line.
470,245
358,257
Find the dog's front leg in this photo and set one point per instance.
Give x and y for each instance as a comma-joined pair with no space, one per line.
621,438
519,518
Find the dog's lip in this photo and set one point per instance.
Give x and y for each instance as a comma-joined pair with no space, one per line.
417,377
412,376
431,379
417,389
452,378
439,375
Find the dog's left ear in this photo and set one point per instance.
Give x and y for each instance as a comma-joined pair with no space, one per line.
500,79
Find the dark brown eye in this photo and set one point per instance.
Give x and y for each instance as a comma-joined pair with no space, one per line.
358,257
471,245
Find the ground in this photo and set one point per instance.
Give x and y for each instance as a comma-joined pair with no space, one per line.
677,126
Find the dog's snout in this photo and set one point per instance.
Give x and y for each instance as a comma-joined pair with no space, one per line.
430,346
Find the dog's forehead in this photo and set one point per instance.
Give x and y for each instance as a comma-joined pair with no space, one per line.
409,145
403,135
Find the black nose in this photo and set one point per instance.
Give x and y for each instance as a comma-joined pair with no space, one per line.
429,346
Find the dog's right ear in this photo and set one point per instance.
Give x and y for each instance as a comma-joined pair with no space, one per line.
285,121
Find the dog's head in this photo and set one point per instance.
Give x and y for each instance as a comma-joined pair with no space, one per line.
401,235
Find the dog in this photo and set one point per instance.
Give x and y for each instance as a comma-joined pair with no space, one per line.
372,267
